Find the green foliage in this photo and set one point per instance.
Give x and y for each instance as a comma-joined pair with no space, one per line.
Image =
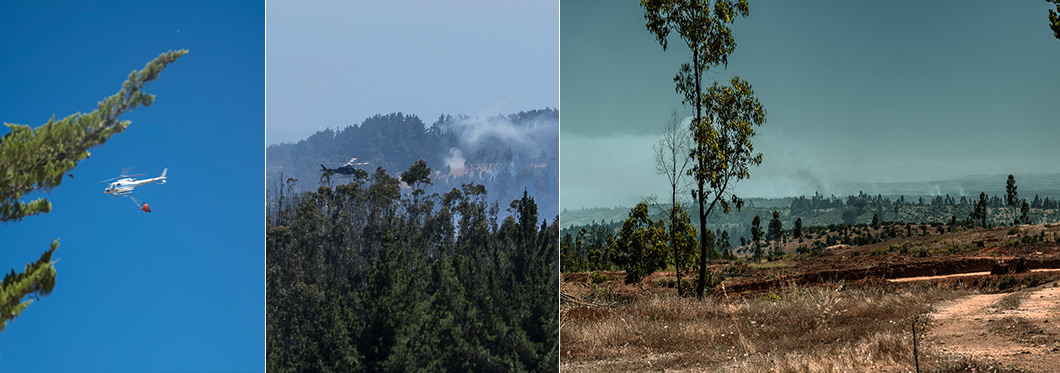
776,227
640,247
724,245
756,236
776,232
1054,18
361,278
1012,195
597,278
671,160
37,280
418,173
588,248
724,115
35,160
683,240
979,212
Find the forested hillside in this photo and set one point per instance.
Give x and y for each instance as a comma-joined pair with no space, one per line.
506,154
364,277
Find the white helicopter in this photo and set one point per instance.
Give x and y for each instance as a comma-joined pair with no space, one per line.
126,183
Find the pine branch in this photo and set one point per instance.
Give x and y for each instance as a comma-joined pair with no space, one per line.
37,280
36,159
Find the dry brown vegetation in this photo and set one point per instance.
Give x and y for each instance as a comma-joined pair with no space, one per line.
794,330
804,322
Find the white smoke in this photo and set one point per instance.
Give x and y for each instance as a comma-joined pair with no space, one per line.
525,139
517,144
456,162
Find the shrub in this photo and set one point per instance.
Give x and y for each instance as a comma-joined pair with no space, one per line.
597,277
954,249
1006,282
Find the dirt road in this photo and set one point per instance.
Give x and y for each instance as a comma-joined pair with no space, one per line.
1026,337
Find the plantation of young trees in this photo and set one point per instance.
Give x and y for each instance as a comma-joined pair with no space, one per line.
366,276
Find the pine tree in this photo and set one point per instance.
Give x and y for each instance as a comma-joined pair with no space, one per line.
776,233
979,212
724,245
35,160
756,236
1012,196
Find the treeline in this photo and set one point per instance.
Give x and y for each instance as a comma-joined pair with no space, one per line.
819,221
803,205
361,277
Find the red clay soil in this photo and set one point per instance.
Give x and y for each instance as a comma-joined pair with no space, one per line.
873,263
925,267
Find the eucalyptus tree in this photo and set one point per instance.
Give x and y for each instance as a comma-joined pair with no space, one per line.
724,116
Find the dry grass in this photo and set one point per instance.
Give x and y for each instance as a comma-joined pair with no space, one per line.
1010,302
793,330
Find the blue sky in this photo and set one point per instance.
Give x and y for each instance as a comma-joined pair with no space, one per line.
334,63
854,92
178,289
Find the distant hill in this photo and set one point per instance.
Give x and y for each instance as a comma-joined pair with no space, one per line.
1029,185
1043,184
506,153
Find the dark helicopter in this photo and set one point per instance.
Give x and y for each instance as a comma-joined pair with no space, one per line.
346,169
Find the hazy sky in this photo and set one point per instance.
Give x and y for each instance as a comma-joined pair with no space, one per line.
181,288
335,63
854,91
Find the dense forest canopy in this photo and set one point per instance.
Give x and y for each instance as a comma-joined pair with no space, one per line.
506,154
364,277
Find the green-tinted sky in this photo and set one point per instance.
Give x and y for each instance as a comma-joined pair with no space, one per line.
854,92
